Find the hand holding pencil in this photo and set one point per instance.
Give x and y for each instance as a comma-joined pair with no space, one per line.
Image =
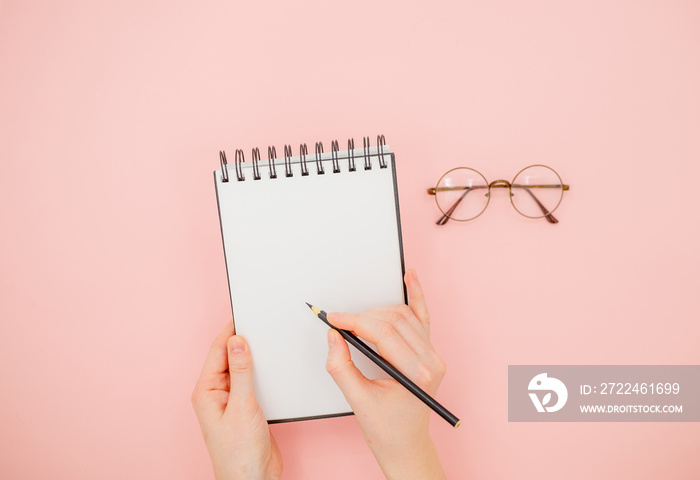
393,420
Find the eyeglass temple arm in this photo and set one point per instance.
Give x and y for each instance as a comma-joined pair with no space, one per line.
443,220
550,218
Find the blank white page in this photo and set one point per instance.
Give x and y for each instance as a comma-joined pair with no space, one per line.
333,240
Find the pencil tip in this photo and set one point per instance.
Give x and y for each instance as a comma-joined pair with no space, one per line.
316,310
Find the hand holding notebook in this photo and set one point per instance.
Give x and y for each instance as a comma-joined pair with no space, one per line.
235,430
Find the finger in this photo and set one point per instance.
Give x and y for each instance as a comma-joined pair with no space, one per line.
403,320
409,319
387,330
403,346
240,367
216,362
345,374
211,391
416,299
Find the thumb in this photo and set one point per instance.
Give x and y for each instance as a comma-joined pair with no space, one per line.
240,367
346,375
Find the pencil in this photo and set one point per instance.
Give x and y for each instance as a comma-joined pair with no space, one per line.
390,369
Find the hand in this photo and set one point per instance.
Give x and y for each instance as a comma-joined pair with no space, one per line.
393,421
235,430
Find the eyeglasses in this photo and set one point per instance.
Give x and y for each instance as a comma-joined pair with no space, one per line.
452,189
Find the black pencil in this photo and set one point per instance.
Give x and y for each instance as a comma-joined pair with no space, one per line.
390,369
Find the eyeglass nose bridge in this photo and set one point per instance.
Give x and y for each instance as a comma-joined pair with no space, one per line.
500,183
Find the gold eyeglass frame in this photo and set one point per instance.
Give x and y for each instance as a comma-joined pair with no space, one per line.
547,214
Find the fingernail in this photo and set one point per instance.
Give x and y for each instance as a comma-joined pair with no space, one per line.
331,338
237,344
331,317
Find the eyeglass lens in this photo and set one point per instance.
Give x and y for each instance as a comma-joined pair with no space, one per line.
536,191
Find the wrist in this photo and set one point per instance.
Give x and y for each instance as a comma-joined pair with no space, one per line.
238,467
239,472
419,462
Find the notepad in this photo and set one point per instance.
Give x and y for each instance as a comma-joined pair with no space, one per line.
322,228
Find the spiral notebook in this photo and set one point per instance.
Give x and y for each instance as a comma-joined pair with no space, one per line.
322,228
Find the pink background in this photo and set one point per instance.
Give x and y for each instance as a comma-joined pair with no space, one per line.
112,277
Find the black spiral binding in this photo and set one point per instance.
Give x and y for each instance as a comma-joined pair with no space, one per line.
303,151
239,158
224,166
288,161
319,164
334,156
380,150
271,156
365,150
351,154
256,163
